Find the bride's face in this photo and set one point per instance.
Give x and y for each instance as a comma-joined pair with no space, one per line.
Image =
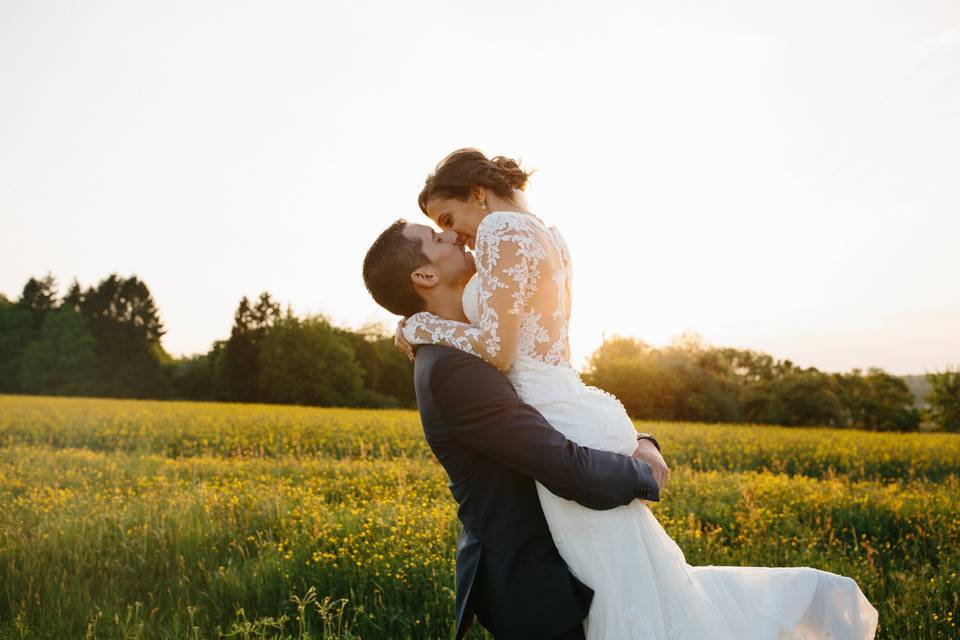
462,217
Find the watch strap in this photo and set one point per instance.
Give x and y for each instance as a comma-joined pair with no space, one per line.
641,435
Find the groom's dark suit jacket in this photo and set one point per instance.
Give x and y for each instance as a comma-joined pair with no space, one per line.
492,445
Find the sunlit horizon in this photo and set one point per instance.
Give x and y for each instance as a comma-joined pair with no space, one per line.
781,179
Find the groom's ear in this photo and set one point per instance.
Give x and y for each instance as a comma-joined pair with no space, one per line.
425,277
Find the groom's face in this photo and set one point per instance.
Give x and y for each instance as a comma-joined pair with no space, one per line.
448,257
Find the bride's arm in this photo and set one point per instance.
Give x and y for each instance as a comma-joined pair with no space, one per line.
508,257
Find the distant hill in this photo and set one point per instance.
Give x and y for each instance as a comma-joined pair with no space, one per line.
919,387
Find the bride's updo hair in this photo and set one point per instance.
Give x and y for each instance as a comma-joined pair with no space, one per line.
466,169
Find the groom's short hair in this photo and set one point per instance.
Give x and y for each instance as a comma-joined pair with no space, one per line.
387,267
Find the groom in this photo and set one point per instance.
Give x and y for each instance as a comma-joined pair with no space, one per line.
493,446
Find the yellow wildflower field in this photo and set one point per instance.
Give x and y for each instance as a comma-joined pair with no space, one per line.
150,519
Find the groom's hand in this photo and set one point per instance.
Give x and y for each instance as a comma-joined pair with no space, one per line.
648,452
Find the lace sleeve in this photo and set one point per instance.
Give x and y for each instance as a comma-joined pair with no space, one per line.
508,257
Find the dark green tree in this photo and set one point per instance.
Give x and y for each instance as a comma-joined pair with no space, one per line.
126,326
803,397
20,325
39,297
703,386
387,374
62,360
192,377
241,358
628,368
854,396
16,333
308,362
220,383
944,399
753,374
892,403
876,401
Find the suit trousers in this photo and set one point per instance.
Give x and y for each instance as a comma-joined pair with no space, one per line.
573,634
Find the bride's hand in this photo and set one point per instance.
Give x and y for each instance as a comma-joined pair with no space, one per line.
400,342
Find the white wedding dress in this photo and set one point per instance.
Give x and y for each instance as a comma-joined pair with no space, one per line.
644,588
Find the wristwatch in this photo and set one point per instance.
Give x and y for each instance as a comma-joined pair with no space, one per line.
648,436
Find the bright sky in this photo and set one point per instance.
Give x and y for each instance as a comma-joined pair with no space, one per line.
776,176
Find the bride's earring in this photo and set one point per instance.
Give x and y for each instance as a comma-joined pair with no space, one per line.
483,205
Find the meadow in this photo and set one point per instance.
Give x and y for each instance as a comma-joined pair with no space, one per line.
133,519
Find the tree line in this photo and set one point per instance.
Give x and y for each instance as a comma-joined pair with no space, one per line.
106,341
690,381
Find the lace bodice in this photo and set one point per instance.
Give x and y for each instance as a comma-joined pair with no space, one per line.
519,301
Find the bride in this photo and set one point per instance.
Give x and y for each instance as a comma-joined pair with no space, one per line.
518,304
